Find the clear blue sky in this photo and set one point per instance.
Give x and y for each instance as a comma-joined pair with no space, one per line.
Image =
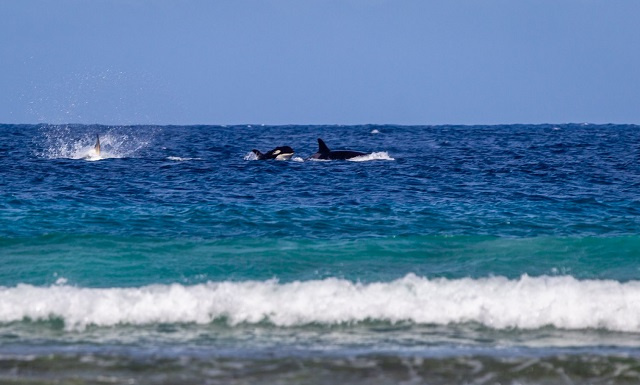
319,61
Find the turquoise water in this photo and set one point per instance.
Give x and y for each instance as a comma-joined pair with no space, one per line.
449,254
105,261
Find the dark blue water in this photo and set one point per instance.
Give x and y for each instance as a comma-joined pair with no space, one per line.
446,241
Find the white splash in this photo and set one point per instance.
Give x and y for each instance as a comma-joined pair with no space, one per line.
383,155
91,155
62,142
496,302
375,132
251,156
180,159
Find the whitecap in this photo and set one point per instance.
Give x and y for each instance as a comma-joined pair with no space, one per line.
496,302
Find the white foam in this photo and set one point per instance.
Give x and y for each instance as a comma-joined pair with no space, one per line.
383,155
251,156
180,159
497,302
90,155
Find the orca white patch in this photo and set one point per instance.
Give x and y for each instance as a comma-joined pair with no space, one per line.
284,156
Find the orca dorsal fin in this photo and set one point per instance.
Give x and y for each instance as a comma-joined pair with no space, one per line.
322,148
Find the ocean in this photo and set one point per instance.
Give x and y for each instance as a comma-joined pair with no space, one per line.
446,255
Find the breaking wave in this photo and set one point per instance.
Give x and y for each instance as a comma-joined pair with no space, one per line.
497,302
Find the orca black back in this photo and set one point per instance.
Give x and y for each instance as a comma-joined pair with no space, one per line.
278,153
325,153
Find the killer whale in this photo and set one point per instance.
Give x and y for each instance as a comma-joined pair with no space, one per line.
94,153
325,153
97,146
278,153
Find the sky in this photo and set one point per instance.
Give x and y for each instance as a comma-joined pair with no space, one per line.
410,62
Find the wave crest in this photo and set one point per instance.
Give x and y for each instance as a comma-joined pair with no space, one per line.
497,302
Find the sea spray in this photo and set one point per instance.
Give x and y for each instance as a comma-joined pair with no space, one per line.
77,142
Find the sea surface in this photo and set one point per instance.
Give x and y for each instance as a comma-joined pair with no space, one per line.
448,255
